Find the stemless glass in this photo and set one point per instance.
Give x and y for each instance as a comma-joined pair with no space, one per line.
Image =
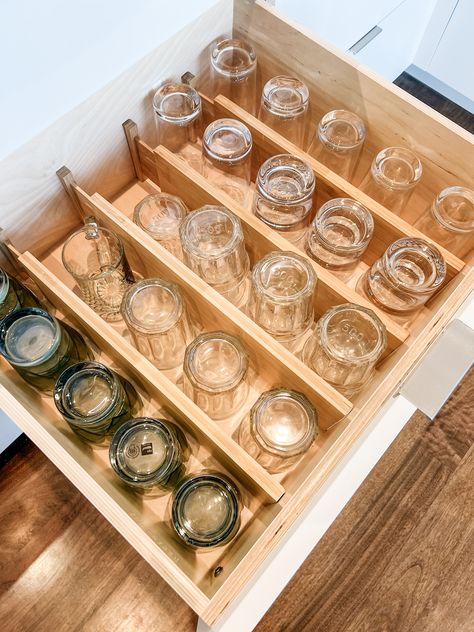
284,107
450,220
338,142
214,248
233,72
280,428
94,256
409,272
347,343
226,148
14,295
215,373
394,173
94,400
340,234
284,195
282,295
160,215
155,314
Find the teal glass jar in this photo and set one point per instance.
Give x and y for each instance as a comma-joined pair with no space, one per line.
14,295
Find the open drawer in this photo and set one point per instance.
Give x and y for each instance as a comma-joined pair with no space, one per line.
110,173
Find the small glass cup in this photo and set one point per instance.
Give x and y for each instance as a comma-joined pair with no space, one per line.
284,107
215,373
205,510
347,343
14,295
213,247
450,220
149,455
409,272
282,295
155,313
160,215
284,195
226,149
394,174
280,428
39,347
94,400
338,142
94,256
340,233
233,72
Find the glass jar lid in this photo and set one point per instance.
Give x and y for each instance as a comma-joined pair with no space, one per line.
152,305
29,336
160,215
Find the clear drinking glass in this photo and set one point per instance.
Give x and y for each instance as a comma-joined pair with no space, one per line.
94,400
282,295
178,118
94,256
214,248
280,428
205,510
394,173
215,373
284,195
338,142
340,233
149,455
155,313
226,149
14,295
409,272
450,220
284,107
160,215
233,72
347,343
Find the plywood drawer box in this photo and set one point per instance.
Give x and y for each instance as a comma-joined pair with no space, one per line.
109,176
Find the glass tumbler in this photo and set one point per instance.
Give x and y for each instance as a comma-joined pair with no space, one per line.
94,256
233,72
450,220
394,173
409,272
215,373
94,400
160,215
14,295
282,295
346,345
39,347
280,428
284,195
340,233
226,149
213,247
284,107
155,313
338,142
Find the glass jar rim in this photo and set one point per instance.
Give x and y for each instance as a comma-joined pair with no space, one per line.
236,238
178,203
236,43
287,82
280,162
390,153
140,286
4,284
428,251
297,260
355,206
100,275
238,128
335,116
448,223
171,88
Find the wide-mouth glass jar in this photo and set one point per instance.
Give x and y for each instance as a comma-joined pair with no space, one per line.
284,107
233,72
14,295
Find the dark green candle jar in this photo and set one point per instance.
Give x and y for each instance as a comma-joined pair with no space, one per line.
14,295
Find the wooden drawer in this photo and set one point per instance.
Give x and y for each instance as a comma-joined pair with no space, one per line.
111,176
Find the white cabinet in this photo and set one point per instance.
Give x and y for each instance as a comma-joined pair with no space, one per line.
8,431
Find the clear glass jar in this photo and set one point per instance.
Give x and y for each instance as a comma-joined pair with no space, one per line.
450,220
155,314
284,195
226,150
14,295
160,215
394,174
205,510
215,373
214,248
338,142
149,455
346,345
233,72
284,107
282,295
280,428
94,400
340,233
409,272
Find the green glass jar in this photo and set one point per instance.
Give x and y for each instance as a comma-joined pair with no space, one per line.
14,295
